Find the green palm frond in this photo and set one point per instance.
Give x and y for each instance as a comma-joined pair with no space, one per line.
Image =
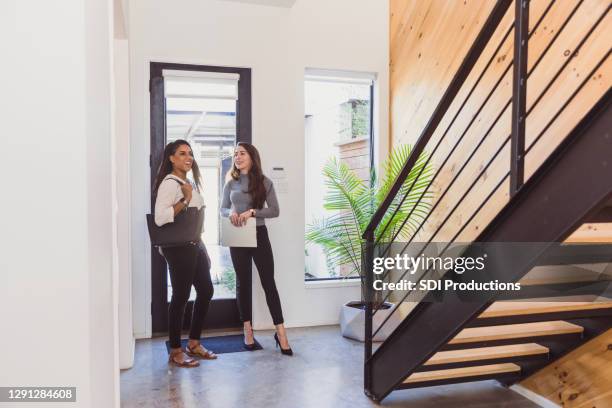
353,202
345,191
335,235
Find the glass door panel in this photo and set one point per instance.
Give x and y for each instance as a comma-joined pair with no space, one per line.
209,125
211,108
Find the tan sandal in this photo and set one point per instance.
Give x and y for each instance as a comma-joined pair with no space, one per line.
186,363
201,352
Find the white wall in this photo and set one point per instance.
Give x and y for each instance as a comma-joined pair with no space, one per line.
123,206
101,196
56,296
277,43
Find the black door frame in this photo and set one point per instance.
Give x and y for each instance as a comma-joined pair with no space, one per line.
223,313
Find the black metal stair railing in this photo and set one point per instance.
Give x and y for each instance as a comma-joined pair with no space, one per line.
496,155
487,133
515,175
464,70
584,153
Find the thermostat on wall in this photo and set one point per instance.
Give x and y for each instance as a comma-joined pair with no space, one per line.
279,178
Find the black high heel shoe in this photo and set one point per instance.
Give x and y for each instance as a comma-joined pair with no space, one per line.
250,347
285,352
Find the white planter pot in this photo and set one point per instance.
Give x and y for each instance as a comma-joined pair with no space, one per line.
352,321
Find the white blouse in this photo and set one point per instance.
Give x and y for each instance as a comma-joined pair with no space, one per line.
170,193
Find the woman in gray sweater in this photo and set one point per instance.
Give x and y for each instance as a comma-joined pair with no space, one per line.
244,196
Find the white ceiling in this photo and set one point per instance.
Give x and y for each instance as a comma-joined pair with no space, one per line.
275,3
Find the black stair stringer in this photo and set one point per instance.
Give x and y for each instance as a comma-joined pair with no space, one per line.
574,182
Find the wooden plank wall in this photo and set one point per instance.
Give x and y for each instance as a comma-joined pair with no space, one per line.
356,154
428,41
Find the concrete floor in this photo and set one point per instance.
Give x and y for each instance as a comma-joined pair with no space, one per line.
326,371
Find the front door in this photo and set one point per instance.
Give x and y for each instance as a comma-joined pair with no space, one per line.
210,107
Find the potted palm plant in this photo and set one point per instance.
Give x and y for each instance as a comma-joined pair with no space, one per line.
351,202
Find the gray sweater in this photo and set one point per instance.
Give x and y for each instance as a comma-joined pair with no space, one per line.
236,199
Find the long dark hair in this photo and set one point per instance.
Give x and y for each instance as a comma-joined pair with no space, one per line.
257,189
165,167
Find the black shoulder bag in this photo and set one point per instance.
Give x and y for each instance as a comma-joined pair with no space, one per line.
186,228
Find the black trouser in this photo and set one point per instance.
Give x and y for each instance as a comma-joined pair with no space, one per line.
264,261
188,265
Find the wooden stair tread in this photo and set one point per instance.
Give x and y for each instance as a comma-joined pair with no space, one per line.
592,232
463,372
515,331
503,309
486,353
584,279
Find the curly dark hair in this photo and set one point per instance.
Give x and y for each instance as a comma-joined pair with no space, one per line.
165,167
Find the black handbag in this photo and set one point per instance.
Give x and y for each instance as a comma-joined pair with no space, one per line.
186,228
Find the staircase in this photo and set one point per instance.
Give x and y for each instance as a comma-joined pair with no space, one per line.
454,340
511,339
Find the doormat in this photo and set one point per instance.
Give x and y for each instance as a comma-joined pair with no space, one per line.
221,344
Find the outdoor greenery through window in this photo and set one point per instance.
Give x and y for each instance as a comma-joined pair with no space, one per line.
338,136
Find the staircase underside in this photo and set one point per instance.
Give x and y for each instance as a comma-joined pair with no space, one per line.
409,355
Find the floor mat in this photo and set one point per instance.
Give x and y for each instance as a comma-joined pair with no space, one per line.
221,344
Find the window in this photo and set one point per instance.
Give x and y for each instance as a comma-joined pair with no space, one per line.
338,133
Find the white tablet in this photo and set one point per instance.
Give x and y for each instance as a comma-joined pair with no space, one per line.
232,236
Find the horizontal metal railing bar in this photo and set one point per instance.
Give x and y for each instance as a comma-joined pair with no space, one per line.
586,79
422,195
453,150
578,89
578,47
500,183
491,59
381,233
583,83
489,27
447,245
482,39
557,114
482,106
535,65
567,102
540,58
